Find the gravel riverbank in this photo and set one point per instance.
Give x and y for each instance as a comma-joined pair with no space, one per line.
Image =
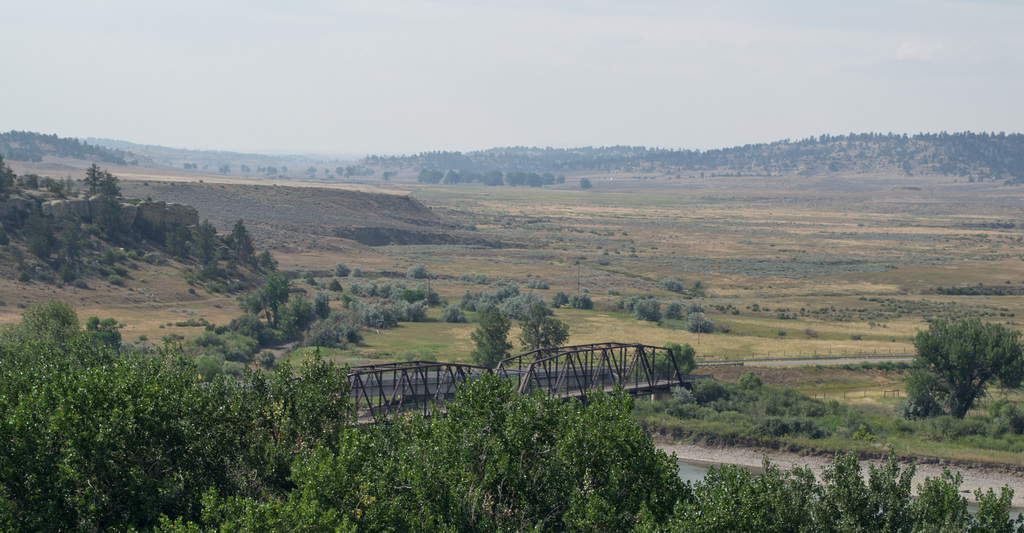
973,478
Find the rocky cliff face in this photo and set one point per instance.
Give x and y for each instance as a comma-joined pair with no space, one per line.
61,208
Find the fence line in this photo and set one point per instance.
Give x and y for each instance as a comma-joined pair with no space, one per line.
767,355
845,395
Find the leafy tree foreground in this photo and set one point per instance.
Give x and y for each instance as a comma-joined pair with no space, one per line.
101,440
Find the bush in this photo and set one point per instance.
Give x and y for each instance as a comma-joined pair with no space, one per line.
114,279
356,273
518,306
537,285
412,295
581,301
417,272
453,315
683,395
672,285
706,391
750,380
674,311
334,286
322,304
698,322
559,299
341,270
648,310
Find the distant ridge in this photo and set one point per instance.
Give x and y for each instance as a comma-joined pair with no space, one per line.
974,156
32,147
967,155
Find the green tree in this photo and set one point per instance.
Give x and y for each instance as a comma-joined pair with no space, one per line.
685,357
585,183
242,242
540,330
965,357
6,175
71,244
49,321
93,176
274,293
491,338
205,239
177,242
106,332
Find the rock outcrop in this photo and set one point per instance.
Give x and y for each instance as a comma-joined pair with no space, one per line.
152,212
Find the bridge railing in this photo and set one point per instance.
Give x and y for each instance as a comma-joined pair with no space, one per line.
380,390
570,371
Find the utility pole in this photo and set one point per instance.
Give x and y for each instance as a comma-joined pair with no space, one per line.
700,317
577,278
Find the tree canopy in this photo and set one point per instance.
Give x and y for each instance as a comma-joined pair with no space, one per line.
491,338
965,357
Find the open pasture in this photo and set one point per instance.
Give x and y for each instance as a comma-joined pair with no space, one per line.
782,273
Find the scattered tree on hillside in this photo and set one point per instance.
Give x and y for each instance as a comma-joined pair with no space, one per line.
585,183
93,176
965,357
6,175
242,243
205,239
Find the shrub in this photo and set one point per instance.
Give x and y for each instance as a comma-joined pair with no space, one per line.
683,395
322,304
114,279
412,295
698,322
520,305
334,286
672,285
648,310
356,273
706,391
453,315
480,279
537,285
266,359
749,380
674,311
341,270
559,299
417,272
581,301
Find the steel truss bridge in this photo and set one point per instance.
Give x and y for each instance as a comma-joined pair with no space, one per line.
566,372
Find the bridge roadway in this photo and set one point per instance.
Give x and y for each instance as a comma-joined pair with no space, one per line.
383,390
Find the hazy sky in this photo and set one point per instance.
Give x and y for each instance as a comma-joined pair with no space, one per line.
383,76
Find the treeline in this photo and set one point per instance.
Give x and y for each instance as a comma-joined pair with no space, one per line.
31,146
493,178
101,440
973,156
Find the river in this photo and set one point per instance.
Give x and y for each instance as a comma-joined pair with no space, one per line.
694,471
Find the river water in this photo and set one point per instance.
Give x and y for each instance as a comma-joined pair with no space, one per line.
694,471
